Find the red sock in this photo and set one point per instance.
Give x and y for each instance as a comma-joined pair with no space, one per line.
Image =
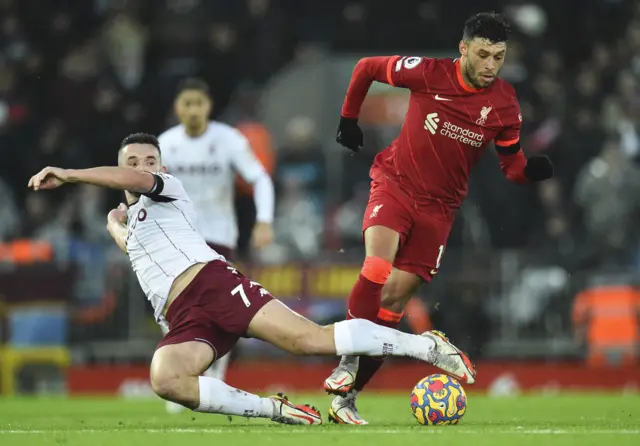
364,299
369,365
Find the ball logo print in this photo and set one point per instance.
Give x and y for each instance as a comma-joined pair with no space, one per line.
431,123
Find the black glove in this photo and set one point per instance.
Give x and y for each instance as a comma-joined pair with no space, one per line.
538,168
349,134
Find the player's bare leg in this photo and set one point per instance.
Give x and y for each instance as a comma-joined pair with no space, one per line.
397,291
170,406
175,376
217,370
280,326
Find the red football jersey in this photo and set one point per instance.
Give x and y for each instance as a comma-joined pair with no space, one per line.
446,129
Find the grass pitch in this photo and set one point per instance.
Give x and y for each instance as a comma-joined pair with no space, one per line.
526,420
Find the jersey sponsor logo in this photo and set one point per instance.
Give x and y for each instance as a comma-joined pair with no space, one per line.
483,115
195,169
408,63
431,123
452,131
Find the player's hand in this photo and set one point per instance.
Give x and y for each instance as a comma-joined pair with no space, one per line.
538,168
49,178
118,216
349,134
262,235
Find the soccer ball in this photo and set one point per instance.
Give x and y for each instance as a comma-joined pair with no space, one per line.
438,400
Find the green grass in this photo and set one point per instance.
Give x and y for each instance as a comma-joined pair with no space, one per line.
528,420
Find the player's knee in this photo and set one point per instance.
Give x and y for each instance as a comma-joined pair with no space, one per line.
165,384
376,269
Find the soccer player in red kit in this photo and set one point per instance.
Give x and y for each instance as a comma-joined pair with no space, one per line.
456,108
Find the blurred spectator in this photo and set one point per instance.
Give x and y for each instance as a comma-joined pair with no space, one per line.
608,191
607,319
9,215
302,158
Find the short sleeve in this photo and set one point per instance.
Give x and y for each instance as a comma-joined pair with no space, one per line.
510,133
166,187
409,72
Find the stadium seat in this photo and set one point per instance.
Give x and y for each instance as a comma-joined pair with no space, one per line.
36,335
13,359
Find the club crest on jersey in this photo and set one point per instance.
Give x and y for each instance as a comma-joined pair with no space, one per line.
142,215
483,115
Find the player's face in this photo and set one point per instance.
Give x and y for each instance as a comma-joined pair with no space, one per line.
143,157
193,108
483,60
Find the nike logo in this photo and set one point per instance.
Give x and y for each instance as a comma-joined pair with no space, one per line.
439,98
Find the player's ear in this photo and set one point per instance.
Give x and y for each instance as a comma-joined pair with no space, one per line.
462,46
164,169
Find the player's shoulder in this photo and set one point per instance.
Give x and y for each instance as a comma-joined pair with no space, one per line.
168,178
424,62
171,133
226,132
502,88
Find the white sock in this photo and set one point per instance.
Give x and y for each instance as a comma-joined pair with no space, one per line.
218,369
218,397
362,337
165,329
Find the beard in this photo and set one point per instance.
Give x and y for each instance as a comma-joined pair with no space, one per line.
474,77
472,74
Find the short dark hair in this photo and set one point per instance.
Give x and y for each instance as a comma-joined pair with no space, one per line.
487,25
193,83
141,138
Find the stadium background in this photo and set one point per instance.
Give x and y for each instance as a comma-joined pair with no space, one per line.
524,265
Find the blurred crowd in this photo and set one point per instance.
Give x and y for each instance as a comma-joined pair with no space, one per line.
78,75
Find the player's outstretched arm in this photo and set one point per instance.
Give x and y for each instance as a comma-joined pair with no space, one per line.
112,177
403,72
367,70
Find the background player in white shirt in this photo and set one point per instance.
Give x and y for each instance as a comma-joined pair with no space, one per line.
206,155
209,305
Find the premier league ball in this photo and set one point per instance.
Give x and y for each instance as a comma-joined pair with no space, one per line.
438,400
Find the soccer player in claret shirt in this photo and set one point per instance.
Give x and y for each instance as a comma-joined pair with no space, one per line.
207,304
206,155
456,108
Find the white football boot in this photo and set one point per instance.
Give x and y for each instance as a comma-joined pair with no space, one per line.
450,359
285,412
343,410
343,377
445,356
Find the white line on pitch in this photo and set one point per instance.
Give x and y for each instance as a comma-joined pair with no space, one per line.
363,431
